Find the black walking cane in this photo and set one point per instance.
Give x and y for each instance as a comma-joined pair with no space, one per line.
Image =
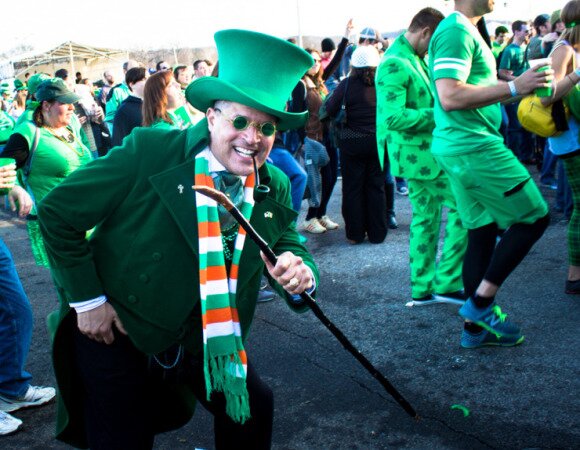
230,207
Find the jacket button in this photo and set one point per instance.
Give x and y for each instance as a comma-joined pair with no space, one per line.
156,256
144,278
132,298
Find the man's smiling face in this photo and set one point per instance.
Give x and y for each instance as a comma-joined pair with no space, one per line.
233,148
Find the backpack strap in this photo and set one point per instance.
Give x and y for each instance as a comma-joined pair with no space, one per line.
28,163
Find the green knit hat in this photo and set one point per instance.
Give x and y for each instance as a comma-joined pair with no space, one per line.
256,70
35,80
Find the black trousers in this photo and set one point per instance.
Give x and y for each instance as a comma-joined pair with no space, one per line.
118,412
363,190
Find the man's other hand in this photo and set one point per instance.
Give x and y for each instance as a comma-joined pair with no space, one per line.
97,324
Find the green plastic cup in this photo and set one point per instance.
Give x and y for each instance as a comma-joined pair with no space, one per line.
545,91
6,162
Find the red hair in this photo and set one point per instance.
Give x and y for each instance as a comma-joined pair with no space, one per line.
155,98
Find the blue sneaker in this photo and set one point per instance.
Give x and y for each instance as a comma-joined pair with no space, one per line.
490,319
487,339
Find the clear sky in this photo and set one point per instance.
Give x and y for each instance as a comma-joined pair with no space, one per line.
147,24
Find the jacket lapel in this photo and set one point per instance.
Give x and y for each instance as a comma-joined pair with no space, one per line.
406,51
174,187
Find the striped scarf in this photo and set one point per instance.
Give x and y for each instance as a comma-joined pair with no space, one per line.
225,361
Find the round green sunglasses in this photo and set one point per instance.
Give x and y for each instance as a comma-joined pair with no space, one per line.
240,123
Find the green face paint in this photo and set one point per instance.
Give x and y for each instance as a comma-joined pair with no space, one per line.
461,408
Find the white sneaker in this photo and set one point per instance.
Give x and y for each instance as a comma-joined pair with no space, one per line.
35,396
313,226
8,424
327,223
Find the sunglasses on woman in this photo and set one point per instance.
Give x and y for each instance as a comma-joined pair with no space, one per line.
240,123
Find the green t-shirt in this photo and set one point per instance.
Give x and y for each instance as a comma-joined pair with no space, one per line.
513,59
496,48
162,125
6,126
457,51
53,159
27,115
120,93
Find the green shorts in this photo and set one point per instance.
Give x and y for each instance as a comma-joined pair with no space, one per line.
493,186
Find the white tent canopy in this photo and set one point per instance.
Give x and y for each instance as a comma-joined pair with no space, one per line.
68,51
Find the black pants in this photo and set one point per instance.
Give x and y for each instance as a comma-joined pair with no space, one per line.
118,411
484,259
363,190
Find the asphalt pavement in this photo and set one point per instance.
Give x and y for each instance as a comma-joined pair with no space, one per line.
524,397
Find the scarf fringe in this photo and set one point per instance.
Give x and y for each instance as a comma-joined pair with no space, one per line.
221,376
238,406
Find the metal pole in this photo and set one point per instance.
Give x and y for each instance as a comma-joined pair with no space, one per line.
299,25
72,60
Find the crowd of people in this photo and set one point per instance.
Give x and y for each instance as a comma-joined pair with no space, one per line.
107,179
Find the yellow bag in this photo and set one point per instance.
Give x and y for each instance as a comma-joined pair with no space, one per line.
537,118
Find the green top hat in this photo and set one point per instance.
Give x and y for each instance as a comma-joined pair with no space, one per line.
35,80
55,89
256,70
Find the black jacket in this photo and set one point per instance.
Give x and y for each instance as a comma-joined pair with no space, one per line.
127,117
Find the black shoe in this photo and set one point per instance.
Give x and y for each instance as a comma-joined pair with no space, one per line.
422,301
573,287
265,295
392,222
457,297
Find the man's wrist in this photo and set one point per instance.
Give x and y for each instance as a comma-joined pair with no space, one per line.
513,89
81,307
296,297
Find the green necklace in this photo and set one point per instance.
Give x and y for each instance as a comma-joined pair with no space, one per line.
228,238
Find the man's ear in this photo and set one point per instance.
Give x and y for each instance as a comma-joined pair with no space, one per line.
211,116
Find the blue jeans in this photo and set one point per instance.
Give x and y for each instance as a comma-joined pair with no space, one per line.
284,161
564,200
519,140
548,174
291,141
15,328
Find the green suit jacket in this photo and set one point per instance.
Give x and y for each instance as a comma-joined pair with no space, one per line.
405,112
143,253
